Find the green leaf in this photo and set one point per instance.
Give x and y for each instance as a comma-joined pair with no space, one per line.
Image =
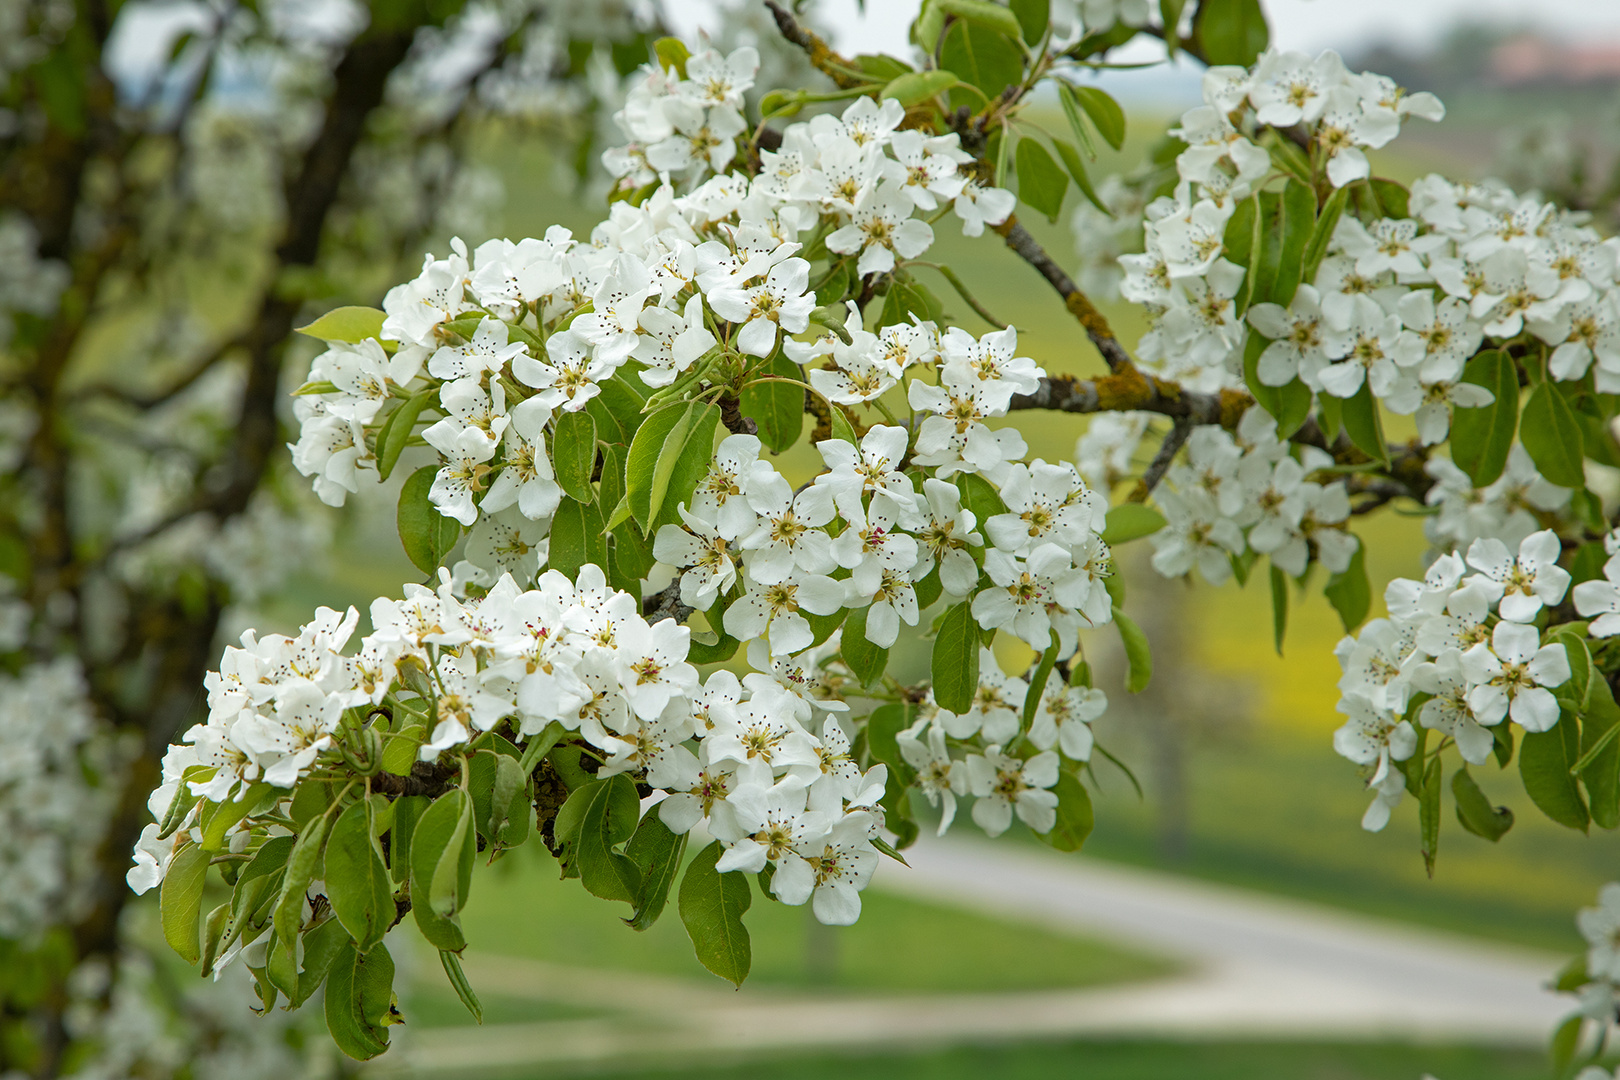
1566,1043
1545,758
1279,606
915,87
1037,681
983,14
777,408
1322,234
578,536
1074,815
1363,424
866,660
1237,242
321,948
357,880
1429,815
443,846
573,454
883,728
610,818
979,496
1033,17
1552,437
407,812
180,900
1077,169
669,456
617,411
1349,592
1482,437
426,534
1475,811
657,854
360,1001
1105,113
217,818
982,57
841,427
1130,521
1137,653
1601,775
397,429
712,906
1392,197
956,659
302,867
1041,183
1231,31
1170,15
346,324
458,979
1283,227
672,53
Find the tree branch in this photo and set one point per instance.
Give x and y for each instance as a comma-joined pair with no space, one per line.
1172,444
829,63
1080,306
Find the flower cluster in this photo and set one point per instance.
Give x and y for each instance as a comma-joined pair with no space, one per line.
1182,277
763,760
1002,784
56,796
1244,493
1465,639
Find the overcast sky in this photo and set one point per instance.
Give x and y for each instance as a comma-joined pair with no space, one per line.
1296,24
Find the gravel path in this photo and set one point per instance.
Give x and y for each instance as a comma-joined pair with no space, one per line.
1261,967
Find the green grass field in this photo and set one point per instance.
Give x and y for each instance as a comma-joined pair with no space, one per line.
1127,1061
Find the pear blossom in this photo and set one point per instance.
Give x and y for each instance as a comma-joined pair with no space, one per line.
1510,677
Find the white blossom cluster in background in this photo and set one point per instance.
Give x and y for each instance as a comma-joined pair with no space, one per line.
58,784
1465,635
1196,333
1240,492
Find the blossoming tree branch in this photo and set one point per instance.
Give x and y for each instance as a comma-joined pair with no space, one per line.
641,641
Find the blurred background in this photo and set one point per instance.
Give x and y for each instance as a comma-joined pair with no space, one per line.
492,127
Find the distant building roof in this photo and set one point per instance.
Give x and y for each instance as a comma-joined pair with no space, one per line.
1530,58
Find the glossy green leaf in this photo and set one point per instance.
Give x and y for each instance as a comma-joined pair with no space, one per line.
357,881
656,852
616,410
1350,593
1474,810
1482,437
573,454
1075,817
397,429
1327,220
979,496
1601,773
1283,225
346,324
865,659
712,905
458,981
1105,113
1363,423
1130,521
426,534
578,536
1137,653
669,456
1033,17
672,53
1231,31
1279,606
1429,815
407,812
610,818
955,666
981,56
303,865
915,87
360,1001
180,901
983,14
1077,169
443,847
1545,760
777,408
883,728
1552,437
841,427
